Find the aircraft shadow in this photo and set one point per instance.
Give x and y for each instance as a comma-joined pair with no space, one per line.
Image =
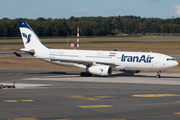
58,73
111,76
136,75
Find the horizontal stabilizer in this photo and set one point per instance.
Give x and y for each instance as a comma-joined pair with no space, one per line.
23,55
25,50
18,55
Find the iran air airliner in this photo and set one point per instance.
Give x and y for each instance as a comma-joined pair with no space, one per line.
94,62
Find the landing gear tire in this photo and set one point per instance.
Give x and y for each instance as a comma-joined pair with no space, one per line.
158,76
85,74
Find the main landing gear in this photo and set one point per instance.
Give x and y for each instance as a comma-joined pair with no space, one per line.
85,74
158,74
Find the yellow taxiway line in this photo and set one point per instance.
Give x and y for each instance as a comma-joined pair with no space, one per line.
156,95
10,100
18,101
26,100
95,106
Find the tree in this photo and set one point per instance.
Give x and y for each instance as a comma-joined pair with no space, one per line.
95,26
72,17
40,19
148,26
136,31
116,31
5,29
86,29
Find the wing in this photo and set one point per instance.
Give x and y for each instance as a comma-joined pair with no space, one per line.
84,62
24,35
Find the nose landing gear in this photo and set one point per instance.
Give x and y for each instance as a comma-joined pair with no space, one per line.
158,74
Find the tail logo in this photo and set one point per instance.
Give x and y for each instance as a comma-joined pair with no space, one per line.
27,37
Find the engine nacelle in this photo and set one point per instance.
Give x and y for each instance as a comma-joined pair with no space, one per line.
102,70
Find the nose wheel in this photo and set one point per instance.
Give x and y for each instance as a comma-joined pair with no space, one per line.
158,74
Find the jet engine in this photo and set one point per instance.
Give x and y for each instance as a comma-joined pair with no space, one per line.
102,70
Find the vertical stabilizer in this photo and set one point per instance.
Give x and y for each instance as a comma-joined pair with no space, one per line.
30,39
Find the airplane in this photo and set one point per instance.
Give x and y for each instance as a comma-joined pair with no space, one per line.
94,62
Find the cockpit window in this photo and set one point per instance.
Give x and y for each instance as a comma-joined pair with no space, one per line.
170,59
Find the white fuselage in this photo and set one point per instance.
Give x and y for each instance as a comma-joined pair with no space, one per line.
118,60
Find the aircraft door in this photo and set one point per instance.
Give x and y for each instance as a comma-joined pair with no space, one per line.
155,62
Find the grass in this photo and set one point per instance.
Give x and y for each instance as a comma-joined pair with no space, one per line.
105,38
171,48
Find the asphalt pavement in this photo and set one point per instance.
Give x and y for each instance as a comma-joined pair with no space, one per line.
56,95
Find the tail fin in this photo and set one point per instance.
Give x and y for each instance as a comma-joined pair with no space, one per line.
30,39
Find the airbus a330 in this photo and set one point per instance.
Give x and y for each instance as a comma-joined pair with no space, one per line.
94,62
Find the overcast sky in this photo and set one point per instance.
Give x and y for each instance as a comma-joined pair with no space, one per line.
33,9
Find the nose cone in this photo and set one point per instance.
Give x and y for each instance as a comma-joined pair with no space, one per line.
176,63
171,64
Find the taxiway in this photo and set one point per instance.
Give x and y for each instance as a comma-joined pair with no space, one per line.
52,95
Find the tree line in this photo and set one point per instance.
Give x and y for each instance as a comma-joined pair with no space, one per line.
91,26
